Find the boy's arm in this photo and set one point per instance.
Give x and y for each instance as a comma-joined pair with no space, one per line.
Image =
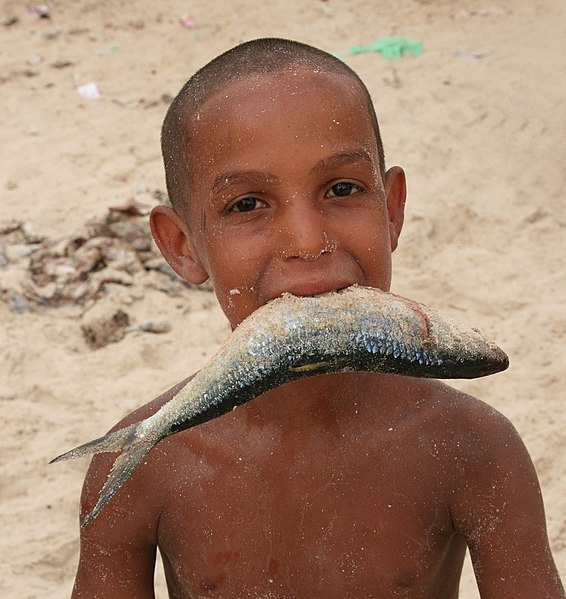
117,549
498,507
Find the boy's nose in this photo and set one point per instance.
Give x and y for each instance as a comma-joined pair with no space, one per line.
306,234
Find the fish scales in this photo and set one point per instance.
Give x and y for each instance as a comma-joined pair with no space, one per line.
356,329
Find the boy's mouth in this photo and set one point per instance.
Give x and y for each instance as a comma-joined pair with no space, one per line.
313,288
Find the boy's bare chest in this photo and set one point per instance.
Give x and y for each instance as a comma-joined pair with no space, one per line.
316,521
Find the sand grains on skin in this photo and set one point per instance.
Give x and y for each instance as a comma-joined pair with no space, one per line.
289,338
481,247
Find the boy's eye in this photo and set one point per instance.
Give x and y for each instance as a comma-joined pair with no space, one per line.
343,189
246,205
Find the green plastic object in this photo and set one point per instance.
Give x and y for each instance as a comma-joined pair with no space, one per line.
391,48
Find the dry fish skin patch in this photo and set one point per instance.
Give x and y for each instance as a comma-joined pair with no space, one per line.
356,329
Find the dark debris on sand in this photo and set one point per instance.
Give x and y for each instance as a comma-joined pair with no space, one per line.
77,270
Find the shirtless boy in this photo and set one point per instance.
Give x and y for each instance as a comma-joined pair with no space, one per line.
354,485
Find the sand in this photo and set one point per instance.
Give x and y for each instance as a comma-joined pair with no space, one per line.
477,120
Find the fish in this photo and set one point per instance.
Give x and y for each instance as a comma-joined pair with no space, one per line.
290,338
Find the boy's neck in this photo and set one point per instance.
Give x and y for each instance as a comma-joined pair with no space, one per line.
317,399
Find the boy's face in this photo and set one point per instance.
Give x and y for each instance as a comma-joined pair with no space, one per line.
286,193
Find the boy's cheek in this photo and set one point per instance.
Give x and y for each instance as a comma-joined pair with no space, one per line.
235,288
236,304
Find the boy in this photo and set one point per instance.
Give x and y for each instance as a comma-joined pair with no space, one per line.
353,485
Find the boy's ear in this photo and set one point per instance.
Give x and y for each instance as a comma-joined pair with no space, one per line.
171,235
395,194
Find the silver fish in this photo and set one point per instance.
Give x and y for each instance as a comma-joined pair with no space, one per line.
356,329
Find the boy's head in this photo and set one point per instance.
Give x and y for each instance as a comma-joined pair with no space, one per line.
275,169
268,56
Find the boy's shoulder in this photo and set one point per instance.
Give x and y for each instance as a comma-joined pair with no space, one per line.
438,417
453,435
460,429
456,437
440,411
142,482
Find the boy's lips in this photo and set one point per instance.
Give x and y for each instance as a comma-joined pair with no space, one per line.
330,272
311,288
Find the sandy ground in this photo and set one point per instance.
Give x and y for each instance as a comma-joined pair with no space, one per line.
477,120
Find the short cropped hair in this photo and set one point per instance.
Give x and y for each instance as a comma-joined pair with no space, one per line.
260,56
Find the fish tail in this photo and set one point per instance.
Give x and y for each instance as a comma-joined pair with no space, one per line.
135,442
111,442
123,467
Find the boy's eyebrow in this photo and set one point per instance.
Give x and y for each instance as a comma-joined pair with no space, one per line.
224,180
344,159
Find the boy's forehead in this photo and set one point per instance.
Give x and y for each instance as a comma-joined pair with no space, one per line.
246,122
285,88
279,102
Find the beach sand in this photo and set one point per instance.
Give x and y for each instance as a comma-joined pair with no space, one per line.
477,120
